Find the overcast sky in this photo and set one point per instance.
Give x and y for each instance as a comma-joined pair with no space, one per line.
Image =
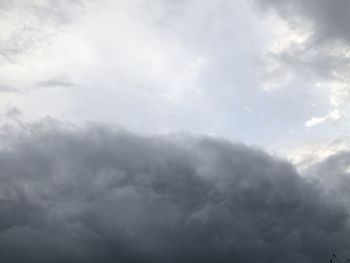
263,72
141,101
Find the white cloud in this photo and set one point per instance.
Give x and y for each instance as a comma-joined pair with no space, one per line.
332,116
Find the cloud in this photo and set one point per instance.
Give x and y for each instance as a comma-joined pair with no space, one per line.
98,194
311,51
333,173
179,65
332,116
59,81
148,61
329,20
34,39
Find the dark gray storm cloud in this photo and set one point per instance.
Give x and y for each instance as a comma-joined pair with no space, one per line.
329,19
333,174
96,194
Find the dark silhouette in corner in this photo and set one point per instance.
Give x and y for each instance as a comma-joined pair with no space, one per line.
336,259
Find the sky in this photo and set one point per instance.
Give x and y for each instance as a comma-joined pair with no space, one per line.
174,130
261,72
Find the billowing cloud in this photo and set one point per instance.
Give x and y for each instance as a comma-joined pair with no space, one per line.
98,194
333,173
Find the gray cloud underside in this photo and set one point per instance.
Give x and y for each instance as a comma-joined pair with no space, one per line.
333,174
101,195
329,19
329,24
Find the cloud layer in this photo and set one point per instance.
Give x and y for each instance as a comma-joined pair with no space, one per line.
98,194
102,194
